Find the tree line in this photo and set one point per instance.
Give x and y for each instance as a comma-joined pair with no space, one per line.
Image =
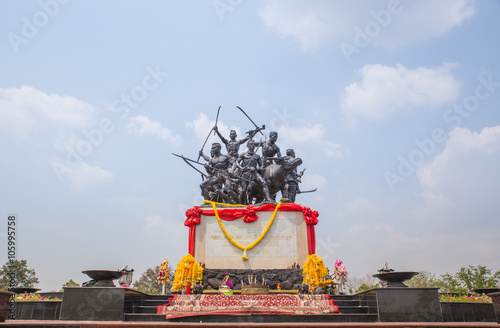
464,281
25,276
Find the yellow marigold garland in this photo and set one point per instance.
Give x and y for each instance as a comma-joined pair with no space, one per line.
244,249
223,204
315,273
187,271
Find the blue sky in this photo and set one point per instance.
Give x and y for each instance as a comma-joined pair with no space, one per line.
392,105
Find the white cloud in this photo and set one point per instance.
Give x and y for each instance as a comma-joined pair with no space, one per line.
85,175
310,23
64,140
141,125
438,200
26,109
202,126
384,89
469,157
288,136
423,20
456,223
461,185
308,137
314,23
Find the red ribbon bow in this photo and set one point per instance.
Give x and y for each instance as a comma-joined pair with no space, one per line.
250,214
193,216
310,216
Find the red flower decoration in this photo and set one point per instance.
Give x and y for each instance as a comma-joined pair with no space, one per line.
193,216
310,216
250,215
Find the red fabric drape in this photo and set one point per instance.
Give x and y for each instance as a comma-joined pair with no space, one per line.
311,218
311,239
193,219
249,214
192,235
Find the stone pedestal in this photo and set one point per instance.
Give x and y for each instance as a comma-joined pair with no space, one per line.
405,304
467,312
4,305
96,303
496,304
38,310
93,303
289,278
283,245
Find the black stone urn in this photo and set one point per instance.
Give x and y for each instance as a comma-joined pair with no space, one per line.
486,291
104,278
22,290
395,278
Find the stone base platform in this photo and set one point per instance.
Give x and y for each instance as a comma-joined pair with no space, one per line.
289,278
250,322
228,305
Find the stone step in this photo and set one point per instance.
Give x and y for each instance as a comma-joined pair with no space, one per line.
347,302
167,297
145,309
342,297
143,317
342,309
159,297
157,302
354,309
339,302
256,318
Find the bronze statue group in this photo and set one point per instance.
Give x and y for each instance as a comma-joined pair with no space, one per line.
248,178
